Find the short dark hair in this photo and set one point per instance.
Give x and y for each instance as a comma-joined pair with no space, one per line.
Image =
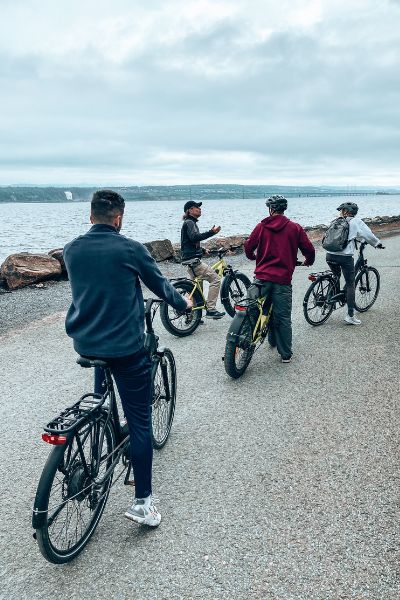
106,205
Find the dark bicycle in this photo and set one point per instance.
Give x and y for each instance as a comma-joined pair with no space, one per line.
324,294
89,442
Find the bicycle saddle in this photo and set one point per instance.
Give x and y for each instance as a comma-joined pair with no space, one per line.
87,363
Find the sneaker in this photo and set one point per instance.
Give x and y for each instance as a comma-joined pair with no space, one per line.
352,320
214,314
144,512
287,360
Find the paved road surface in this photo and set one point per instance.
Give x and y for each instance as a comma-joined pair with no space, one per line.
283,485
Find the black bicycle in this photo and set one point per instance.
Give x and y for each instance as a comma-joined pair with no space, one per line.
91,448
233,289
324,294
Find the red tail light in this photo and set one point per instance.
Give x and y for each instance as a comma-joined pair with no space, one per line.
312,277
55,440
240,308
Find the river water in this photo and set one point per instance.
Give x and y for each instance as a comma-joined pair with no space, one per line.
40,227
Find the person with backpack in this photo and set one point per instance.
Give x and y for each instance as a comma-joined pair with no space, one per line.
273,244
340,242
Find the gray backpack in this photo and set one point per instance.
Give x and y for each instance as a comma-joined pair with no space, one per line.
336,237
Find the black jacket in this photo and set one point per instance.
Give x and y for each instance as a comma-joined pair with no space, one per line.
191,238
106,317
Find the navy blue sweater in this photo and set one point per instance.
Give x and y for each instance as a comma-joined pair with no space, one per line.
106,317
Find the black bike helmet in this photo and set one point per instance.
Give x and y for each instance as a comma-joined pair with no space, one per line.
351,207
277,202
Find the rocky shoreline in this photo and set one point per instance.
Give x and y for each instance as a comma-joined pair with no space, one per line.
26,269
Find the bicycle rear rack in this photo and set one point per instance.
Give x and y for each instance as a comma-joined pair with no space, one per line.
74,415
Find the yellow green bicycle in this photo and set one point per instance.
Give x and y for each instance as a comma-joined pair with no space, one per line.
233,289
248,330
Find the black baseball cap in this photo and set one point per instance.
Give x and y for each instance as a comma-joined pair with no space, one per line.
191,204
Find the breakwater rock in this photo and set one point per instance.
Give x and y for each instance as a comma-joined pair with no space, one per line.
24,269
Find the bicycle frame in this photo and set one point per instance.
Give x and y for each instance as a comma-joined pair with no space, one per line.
359,266
264,307
220,267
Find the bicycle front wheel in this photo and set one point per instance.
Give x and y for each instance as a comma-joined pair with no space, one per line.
316,308
182,324
73,491
164,398
367,286
233,290
239,349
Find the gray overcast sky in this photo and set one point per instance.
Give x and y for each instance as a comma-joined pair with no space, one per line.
200,91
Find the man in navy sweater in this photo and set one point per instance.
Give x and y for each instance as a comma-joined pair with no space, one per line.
106,320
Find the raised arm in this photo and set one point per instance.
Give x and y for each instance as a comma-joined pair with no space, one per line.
193,235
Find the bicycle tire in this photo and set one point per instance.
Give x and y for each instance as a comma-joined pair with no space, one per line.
180,324
63,473
316,298
229,292
162,409
237,358
365,299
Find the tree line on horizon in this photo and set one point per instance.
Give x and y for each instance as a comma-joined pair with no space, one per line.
176,192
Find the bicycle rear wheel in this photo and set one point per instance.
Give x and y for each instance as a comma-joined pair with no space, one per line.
70,499
367,286
164,398
239,349
233,291
182,324
316,308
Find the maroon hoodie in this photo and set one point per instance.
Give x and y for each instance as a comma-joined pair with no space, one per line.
277,240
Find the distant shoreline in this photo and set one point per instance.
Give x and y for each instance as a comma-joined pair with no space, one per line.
199,192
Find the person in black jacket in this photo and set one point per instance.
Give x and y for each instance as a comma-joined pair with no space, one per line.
106,321
191,250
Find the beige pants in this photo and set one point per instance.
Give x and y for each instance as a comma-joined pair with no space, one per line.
205,272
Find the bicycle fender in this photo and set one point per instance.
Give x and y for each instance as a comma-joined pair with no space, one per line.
226,281
235,325
38,511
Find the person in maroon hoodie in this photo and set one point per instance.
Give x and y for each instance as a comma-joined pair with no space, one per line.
273,244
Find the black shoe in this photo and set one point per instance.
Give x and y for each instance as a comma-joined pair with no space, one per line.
214,314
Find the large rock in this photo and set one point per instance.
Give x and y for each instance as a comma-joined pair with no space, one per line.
233,243
160,249
58,254
23,269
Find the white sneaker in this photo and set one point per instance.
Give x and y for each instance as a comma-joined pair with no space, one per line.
143,511
352,320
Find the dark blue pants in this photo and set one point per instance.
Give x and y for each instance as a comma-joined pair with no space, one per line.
132,375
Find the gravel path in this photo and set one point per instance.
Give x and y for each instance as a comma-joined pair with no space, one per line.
282,485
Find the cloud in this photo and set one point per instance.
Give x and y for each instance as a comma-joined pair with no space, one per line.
199,91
